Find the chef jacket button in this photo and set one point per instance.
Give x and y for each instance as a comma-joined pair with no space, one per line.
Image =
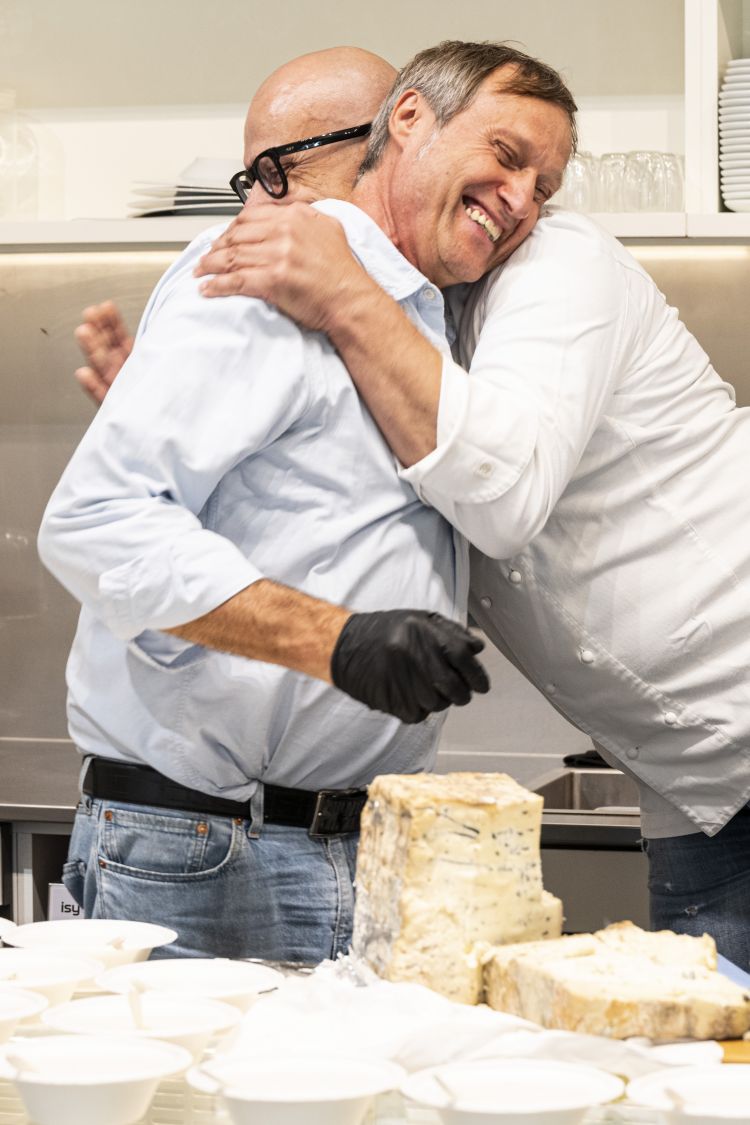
429,294
515,576
586,656
550,689
484,469
632,752
670,718
486,602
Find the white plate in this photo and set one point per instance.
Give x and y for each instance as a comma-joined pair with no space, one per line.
237,982
739,64
734,97
698,1094
729,116
737,204
510,1090
734,152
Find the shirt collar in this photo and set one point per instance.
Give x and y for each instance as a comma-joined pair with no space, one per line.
384,263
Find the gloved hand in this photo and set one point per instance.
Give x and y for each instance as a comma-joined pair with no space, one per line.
407,662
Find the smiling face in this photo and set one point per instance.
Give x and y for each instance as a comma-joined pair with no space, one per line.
464,196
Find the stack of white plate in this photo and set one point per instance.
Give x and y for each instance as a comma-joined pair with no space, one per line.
201,189
734,135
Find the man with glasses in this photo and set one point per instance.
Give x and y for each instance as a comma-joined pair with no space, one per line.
234,455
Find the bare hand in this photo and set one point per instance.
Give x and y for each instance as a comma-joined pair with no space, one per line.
292,256
105,342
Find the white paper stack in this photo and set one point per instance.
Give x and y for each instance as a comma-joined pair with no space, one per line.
734,135
201,189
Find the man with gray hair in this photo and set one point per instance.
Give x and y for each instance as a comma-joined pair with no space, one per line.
233,451
598,464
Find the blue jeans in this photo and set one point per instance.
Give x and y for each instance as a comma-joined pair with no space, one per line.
280,896
701,884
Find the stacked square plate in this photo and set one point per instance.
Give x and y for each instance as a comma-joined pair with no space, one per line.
734,135
201,189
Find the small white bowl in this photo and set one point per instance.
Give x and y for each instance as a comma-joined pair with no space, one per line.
113,942
188,1021
56,975
237,982
17,1005
517,1091
83,1080
296,1089
695,1095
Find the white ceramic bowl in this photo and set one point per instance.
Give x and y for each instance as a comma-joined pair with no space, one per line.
236,982
17,1005
296,1089
188,1021
83,1080
109,941
55,975
517,1091
696,1095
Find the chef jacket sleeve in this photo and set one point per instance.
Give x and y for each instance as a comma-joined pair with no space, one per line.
548,353
209,383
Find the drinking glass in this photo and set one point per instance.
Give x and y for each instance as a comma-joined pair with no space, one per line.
611,177
579,189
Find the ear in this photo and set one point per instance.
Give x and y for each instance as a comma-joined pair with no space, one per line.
411,116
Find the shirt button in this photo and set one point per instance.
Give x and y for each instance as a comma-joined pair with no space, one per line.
550,689
486,602
586,656
484,469
670,718
429,294
632,752
516,577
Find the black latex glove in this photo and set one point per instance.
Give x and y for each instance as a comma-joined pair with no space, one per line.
407,662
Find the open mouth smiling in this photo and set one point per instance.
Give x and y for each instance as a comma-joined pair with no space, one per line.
479,216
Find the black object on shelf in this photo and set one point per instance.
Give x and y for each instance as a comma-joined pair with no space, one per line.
587,759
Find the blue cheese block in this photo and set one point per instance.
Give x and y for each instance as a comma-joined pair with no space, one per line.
619,982
448,863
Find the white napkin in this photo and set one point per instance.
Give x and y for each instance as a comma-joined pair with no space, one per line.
344,1008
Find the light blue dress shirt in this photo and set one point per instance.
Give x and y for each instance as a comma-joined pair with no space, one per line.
232,447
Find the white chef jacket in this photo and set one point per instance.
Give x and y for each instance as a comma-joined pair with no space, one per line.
600,467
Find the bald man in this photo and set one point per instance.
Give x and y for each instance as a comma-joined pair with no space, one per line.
317,93
233,451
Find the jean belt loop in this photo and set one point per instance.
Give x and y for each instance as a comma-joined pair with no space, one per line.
256,813
85,800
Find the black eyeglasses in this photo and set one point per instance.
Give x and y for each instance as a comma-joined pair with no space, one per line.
268,170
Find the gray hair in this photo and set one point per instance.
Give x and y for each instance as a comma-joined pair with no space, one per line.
449,75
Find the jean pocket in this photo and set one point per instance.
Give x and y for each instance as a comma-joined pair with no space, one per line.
160,845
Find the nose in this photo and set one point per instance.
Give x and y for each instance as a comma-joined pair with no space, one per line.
517,192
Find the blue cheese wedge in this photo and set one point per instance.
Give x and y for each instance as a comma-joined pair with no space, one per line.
446,863
619,982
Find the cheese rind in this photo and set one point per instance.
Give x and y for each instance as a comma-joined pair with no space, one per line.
619,982
444,862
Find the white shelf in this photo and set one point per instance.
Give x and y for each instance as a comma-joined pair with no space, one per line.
178,232
108,232
652,224
727,224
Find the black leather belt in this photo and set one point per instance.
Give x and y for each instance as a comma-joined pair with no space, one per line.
329,812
